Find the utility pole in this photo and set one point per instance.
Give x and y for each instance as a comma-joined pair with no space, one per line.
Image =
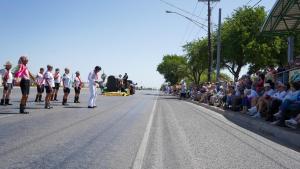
209,43
209,37
219,46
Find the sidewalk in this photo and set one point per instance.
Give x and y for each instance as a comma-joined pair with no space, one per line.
282,135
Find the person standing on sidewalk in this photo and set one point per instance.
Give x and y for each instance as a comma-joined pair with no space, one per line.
7,84
67,82
57,81
40,85
23,73
93,79
77,87
49,85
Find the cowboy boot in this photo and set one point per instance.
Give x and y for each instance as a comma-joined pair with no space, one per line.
7,102
2,102
22,109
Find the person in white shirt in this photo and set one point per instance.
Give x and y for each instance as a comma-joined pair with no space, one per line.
7,78
93,80
264,101
67,83
277,100
77,86
40,82
49,85
57,82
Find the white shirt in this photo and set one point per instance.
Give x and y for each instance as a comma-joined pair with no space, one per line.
40,79
279,95
77,82
67,82
252,94
93,77
269,92
10,75
49,78
57,78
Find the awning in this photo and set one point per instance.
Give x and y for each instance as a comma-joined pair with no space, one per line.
284,18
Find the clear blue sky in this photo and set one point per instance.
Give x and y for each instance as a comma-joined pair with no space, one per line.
121,36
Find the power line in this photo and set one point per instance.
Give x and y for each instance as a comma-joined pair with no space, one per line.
182,10
256,3
248,2
187,28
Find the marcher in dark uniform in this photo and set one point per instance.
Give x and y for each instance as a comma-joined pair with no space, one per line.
125,78
24,74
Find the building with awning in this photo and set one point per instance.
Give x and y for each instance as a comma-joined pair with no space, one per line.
284,19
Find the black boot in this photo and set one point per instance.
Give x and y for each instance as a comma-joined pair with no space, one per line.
47,106
78,99
2,102
55,97
7,102
75,99
65,102
40,99
36,98
22,109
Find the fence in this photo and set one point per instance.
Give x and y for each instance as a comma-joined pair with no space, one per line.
284,76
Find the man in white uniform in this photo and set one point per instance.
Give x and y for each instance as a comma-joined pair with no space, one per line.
93,83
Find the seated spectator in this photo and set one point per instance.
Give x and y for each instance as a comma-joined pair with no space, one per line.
260,84
237,97
276,100
248,100
229,95
263,102
290,108
217,99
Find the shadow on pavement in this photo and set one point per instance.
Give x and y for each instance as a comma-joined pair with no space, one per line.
76,107
284,136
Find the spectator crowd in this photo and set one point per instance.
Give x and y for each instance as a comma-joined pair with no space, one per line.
267,95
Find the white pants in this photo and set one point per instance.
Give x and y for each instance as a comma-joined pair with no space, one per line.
93,95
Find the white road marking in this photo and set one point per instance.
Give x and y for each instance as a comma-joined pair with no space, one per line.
138,162
5,116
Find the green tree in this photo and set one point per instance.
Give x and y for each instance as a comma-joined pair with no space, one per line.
196,54
243,44
173,68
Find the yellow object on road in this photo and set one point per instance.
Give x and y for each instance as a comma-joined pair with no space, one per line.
115,94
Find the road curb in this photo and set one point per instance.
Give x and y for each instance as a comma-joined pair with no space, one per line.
286,136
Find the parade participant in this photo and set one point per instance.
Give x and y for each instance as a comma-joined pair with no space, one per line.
24,74
57,81
49,85
93,83
125,78
40,85
7,78
67,82
77,86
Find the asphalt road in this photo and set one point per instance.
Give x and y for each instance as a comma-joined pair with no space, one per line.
141,131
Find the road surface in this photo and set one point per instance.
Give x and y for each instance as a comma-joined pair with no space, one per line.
142,131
